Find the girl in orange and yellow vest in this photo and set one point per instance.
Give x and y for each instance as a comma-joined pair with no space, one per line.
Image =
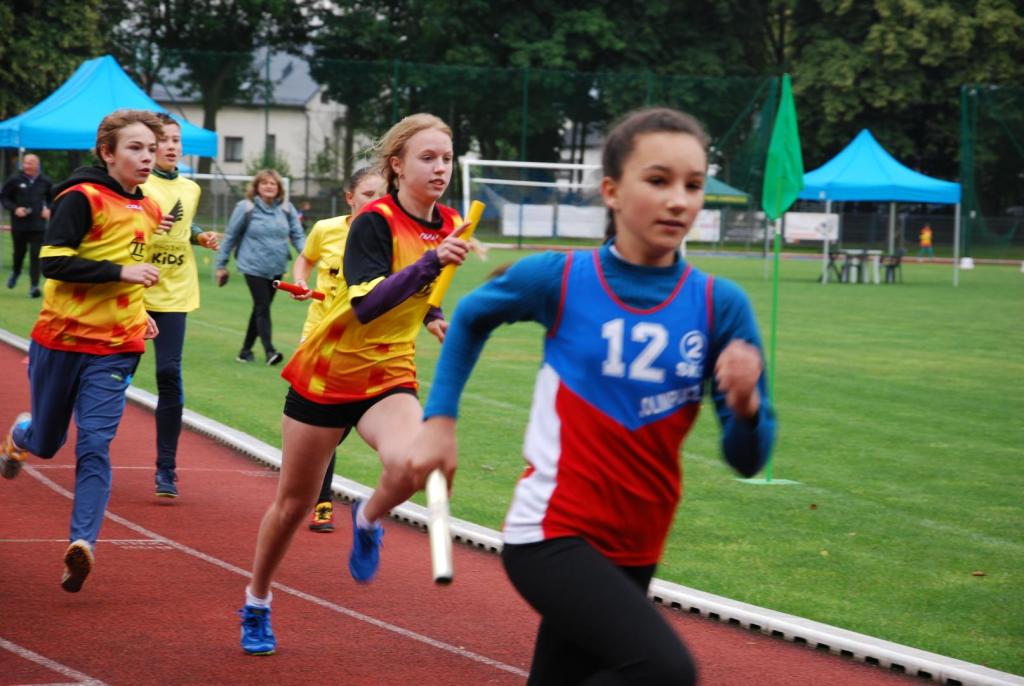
325,248
356,369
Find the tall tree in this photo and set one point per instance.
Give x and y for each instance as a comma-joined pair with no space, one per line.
209,45
42,43
346,52
895,67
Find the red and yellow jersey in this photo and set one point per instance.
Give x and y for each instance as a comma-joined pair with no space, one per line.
100,318
343,360
325,246
926,237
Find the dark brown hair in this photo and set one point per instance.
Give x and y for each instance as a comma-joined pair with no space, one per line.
110,128
357,177
621,140
167,120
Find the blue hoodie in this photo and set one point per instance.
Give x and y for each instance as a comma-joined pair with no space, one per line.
263,244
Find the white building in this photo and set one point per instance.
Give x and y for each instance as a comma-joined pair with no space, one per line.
298,123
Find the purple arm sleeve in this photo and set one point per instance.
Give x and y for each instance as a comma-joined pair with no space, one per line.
433,314
397,287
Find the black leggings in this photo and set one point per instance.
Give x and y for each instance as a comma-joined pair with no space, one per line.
30,242
326,494
170,388
262,291
597,625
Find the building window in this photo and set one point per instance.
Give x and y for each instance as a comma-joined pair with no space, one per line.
232,149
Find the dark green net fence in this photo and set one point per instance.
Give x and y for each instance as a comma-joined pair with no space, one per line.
539,115
992,170
503,114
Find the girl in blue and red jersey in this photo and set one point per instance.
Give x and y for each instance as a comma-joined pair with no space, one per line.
634,337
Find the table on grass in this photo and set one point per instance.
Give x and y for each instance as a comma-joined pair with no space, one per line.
855,268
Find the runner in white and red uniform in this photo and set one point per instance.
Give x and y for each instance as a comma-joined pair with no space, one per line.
634,337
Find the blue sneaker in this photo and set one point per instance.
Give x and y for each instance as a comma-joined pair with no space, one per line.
365,556
257,636
165,486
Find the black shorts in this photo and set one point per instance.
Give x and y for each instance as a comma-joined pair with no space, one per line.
334,415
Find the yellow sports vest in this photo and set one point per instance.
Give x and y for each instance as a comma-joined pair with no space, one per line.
100,318
325,246
178,289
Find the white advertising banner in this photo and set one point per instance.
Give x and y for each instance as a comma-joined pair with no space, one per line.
811,226
537,220
708,227
587,221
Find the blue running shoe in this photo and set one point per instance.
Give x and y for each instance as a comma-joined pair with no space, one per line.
257,636
165,486
366,543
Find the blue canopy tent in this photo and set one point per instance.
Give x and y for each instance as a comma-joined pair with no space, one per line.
864,171
69,117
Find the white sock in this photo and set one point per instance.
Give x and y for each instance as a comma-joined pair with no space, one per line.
250,599
362,522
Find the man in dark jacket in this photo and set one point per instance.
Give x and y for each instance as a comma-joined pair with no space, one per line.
28,195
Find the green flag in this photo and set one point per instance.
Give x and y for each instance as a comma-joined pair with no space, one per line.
783,180
784,168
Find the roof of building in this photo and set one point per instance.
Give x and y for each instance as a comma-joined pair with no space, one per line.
292,86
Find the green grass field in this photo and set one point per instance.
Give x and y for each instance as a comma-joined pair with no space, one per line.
900,418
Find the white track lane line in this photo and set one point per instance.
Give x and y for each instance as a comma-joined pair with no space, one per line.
387,626
81,679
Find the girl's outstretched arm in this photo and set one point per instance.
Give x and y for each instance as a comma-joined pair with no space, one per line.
529,291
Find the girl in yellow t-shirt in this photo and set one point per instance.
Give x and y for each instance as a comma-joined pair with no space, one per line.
325,248
174,296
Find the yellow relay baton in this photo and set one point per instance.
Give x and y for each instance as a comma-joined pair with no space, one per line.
438,518
476,210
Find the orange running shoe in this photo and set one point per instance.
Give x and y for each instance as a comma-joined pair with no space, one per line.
78,561
323,518
11,456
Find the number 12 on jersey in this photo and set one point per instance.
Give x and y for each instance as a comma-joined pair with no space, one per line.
655,336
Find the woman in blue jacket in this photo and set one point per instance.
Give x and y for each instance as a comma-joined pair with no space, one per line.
259,231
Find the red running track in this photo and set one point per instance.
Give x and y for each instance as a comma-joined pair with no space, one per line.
159,607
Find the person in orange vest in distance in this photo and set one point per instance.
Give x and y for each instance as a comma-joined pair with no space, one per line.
925,240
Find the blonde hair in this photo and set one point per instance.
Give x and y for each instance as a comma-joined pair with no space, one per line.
110,128
394,141
252,190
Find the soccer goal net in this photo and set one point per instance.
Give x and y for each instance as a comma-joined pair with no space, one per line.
537,199
557,200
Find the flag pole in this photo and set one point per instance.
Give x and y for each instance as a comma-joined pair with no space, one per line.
773,336
783,181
